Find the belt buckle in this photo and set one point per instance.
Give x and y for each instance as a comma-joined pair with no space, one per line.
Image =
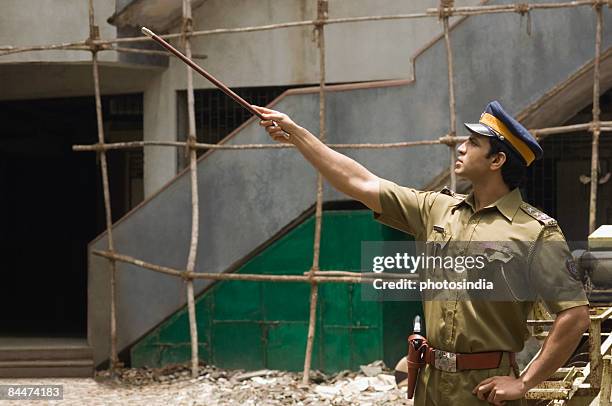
445,361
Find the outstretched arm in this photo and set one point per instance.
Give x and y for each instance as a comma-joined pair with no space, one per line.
342,172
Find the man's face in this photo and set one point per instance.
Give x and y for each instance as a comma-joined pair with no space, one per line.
472,162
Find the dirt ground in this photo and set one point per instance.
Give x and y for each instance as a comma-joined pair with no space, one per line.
373,385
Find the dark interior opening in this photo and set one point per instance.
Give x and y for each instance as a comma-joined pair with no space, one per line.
559,184
51,207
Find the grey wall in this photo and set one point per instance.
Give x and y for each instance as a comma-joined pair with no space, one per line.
42,80
42,22
61,73
355,52
248,196
159,124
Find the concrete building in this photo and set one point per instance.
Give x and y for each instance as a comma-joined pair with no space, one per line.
388,82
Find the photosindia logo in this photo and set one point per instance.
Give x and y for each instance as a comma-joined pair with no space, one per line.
431,285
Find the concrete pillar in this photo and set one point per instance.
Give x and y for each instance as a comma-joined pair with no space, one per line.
159,116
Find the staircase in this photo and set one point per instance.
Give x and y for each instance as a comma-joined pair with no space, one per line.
45,357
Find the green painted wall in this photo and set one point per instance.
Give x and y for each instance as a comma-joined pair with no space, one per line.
253,325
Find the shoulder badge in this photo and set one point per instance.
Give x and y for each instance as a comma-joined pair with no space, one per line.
447,191
543,218
571,267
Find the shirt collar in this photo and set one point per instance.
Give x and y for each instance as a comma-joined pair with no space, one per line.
507,205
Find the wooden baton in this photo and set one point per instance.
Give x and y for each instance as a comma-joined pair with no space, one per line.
207,75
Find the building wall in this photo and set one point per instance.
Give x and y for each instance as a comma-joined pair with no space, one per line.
28,81
61,73
355,52
41,22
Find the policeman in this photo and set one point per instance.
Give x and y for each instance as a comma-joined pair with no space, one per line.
472,343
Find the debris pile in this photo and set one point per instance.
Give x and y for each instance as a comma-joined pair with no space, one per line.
374,384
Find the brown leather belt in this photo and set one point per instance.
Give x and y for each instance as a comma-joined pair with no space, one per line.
453,362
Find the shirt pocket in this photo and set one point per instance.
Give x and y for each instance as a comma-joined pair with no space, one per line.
503,266
438,239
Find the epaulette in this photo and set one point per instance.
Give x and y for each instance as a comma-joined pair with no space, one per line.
447,191
543,218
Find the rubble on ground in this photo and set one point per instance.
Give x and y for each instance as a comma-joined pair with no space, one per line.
374,384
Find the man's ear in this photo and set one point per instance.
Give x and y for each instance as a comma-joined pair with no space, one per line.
497,161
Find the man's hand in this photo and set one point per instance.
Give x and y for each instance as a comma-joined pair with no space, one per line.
275,123
499,388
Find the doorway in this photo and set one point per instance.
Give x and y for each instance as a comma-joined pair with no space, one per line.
51,207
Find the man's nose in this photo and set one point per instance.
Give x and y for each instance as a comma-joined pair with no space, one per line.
461,148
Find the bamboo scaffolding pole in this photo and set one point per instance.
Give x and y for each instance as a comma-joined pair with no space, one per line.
139,144
519,8
568,128
66,46
109,47
365,274
93,33
81,46
540,133
445,5
307,278
137,51
597,125
195,205
322,13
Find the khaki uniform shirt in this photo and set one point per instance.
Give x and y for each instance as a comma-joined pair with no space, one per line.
468,326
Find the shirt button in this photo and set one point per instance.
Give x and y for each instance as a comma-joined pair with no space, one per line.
449,314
